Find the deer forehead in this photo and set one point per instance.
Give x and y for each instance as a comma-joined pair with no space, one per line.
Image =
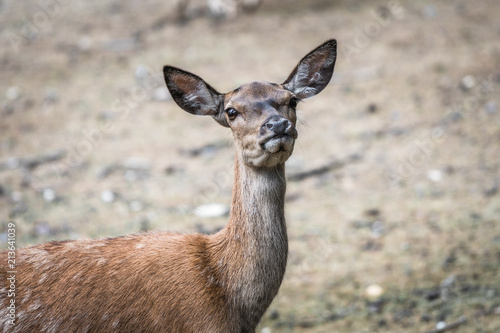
258,96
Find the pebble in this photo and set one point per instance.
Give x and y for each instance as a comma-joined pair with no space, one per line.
161,94
372,108
374,291
491,107
377,229
429,12
435,175
121,45
85,43
49,195
468,82
50,95
13,163
131,176
108,196
13,93
136,206
440,325
266,330
136,163
211,210
16,196
141,72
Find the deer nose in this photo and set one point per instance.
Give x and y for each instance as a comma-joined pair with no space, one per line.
277,125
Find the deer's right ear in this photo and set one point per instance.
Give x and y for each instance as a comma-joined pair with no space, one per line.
193,94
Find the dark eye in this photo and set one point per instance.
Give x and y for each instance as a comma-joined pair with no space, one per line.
293,102
231,113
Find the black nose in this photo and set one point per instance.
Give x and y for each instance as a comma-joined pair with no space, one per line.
277,125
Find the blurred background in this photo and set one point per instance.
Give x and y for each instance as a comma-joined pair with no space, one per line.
393,206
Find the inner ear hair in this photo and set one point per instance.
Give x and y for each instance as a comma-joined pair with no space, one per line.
314,71
191,92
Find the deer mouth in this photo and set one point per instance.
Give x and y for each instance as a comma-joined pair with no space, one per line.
278,143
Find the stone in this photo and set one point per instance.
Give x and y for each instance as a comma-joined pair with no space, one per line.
435,175
468,82
161,94
374,291
13,93
49,195
491,107
108,196
211,210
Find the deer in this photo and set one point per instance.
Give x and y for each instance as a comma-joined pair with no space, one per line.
173,282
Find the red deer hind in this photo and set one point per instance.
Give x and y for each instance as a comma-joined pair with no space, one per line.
168,282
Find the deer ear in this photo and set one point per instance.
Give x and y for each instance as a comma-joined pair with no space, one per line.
193,94
314,71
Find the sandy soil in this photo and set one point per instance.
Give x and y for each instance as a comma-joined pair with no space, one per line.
393,200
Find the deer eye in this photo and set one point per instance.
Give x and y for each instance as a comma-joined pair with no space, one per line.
293,102
231,113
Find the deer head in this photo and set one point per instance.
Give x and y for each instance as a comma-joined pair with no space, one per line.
261,115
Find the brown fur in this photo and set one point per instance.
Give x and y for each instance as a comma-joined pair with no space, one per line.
166,282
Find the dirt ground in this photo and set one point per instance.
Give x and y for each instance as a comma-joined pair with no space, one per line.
393,204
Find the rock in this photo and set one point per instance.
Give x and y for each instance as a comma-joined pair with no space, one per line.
85,43
274,314
16,196
440,325
161,94
491,107
266,330
467,83
429,12
211,210
374,291
377,229
108,196
372,108
49,195
141,72
435,175
134,163
121,45
131,175
50,95
136,206
13,93
372,213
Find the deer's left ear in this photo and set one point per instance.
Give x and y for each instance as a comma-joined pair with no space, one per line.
193,94
314,71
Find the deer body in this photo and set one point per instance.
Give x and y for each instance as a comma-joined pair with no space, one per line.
166,282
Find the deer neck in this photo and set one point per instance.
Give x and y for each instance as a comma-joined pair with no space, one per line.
255,245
